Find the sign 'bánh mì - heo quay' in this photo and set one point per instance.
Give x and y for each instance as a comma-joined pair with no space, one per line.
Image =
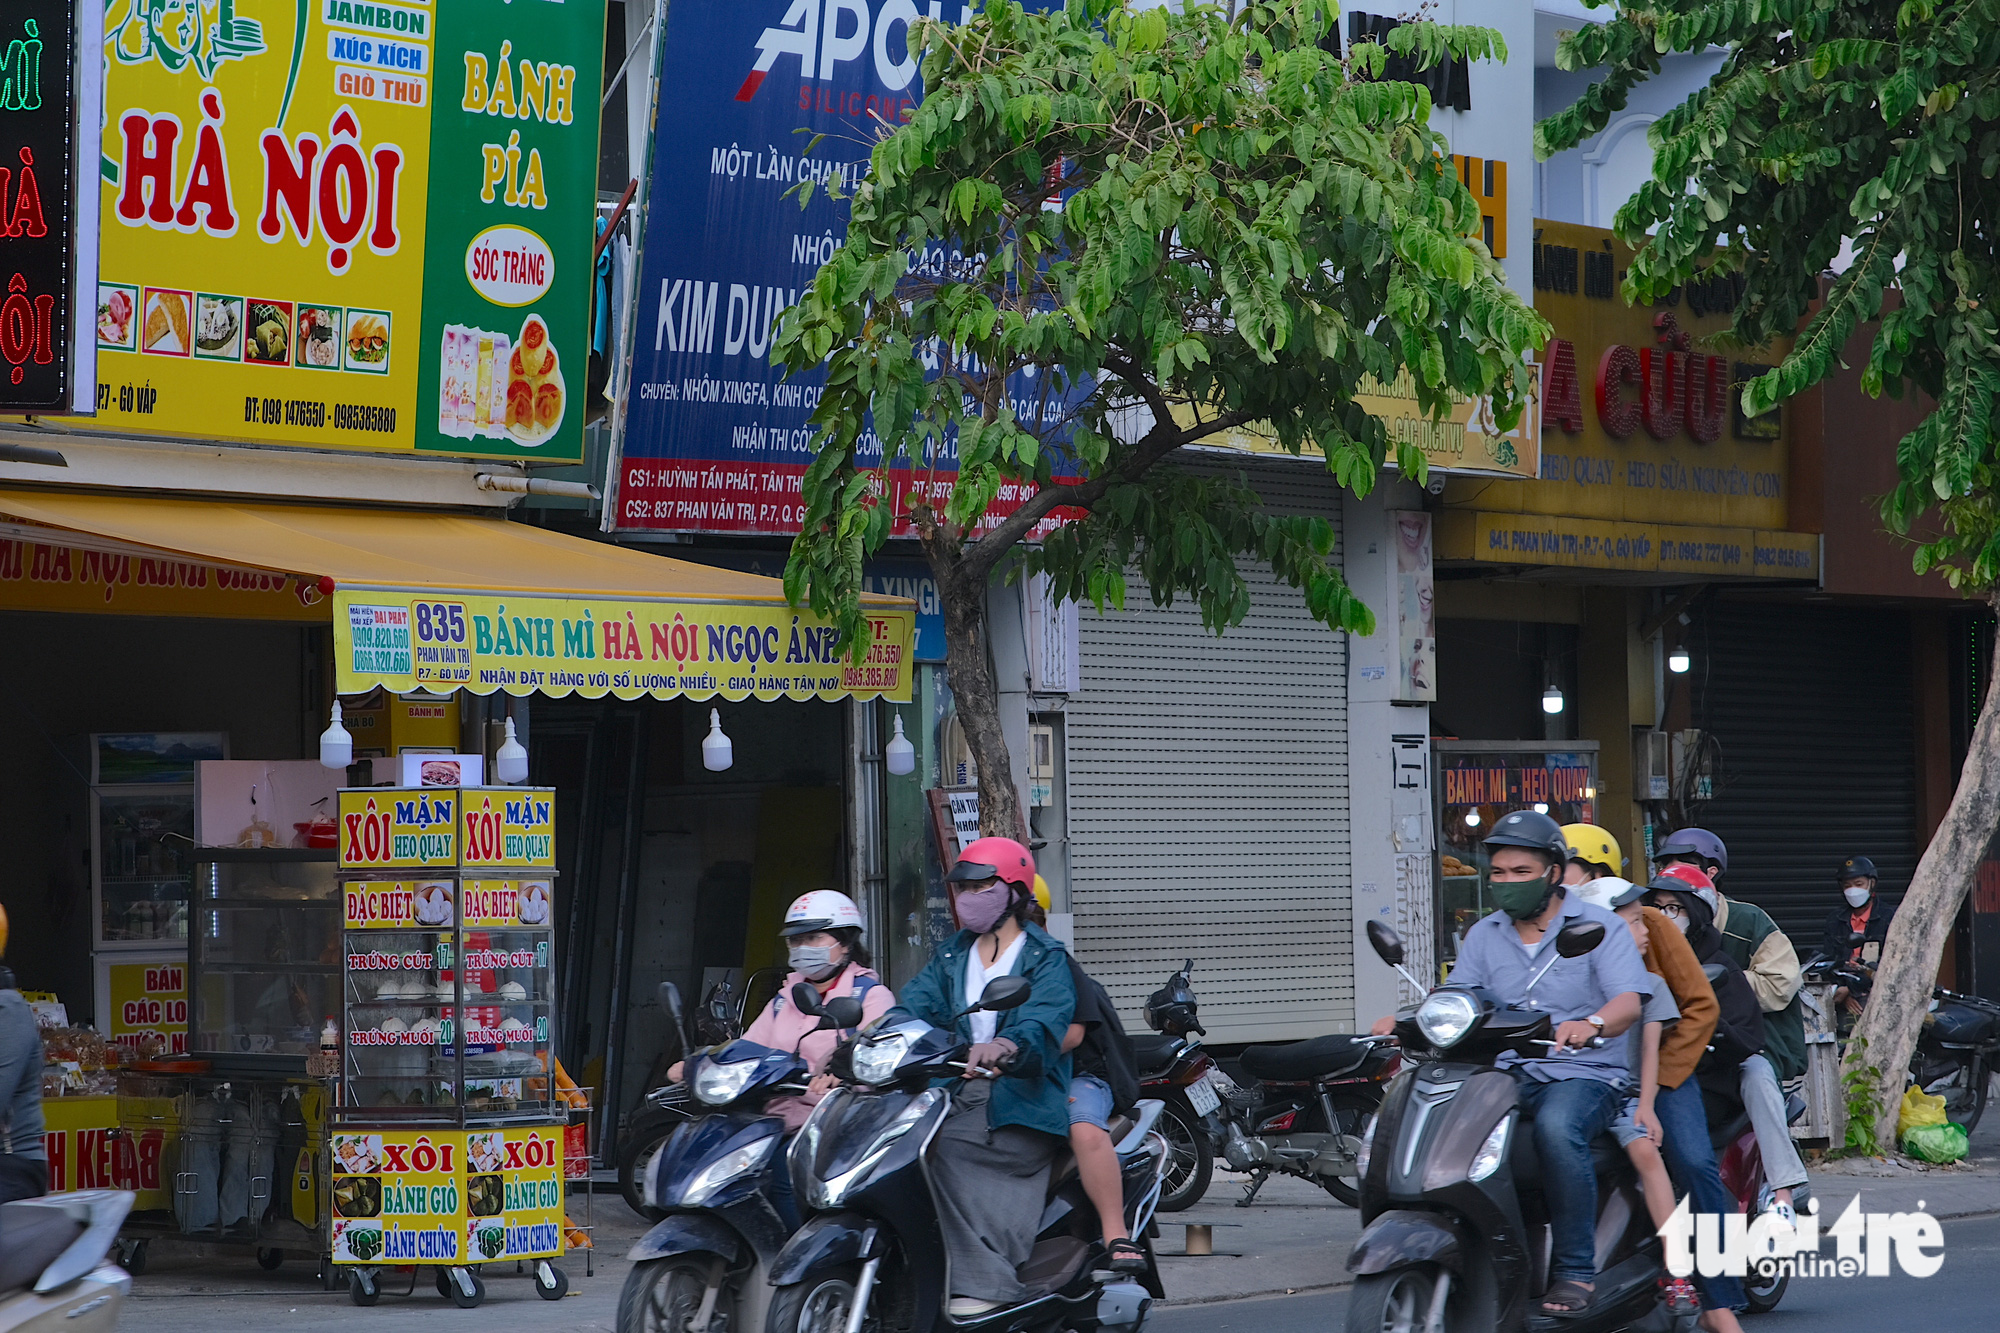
350,225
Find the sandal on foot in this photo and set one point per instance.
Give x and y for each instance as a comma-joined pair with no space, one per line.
1126,1256
1566,1299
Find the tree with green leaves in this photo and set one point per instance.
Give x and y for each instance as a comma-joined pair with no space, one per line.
1863,132
1173,223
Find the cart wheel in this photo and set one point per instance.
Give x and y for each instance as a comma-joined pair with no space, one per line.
361,1288
268,1260
133,1257
444,1281
463,1301
551,1283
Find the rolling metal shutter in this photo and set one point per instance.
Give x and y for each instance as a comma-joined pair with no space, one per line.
1208,805
1813,710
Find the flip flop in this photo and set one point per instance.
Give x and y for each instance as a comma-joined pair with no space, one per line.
1566,1299
1126,1256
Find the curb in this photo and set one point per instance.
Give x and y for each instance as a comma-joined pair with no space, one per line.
1188,1301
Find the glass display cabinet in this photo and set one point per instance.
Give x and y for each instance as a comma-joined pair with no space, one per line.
265,956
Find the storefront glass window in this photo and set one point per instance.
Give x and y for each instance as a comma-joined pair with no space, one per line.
1475,787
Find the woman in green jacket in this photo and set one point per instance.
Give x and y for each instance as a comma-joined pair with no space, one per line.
1011,1111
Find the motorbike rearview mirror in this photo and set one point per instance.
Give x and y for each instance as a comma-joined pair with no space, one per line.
806,996
670,1002
1578,939
1856,938
1005,993
1388,946
842,1011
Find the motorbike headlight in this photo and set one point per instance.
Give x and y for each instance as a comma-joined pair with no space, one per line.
1446,1016
719,1084
830,1193
732,1165
1367,1147
875,1061
1492,1152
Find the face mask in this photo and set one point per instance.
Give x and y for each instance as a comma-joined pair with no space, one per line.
814,962
1856,898
1522,898
980,910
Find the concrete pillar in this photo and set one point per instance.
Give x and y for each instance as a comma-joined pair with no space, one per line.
1388,759
1615,674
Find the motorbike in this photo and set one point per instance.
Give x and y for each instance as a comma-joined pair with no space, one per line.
1958,1046
1741,1166
1176,1071
57,1270
1456,1233
703,1266
1301,1108
871,1253
667,1106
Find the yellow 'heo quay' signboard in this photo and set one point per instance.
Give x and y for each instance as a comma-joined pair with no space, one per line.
349,225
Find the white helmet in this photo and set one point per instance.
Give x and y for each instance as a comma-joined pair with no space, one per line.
822,909
1609,892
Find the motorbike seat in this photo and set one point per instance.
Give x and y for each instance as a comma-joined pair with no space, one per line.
32,1236
1154,1053
1606,1157
1300,1061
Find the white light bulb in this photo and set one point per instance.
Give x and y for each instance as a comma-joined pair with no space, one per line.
1678,661
716,751
900,754
1552,700
1541,808
336,746
1472,819
510,761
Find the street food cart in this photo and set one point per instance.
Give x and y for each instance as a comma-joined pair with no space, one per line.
447,1143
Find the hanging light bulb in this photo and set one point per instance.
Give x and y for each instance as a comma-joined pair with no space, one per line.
1472,819
900,754
336,746
510,761
716,751
1678,661
1552,701
1541,807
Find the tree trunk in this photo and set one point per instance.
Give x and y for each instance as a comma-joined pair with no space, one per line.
978,701
1915,943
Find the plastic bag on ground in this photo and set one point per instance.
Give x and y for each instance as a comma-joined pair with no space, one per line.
1919,1108
1936,1143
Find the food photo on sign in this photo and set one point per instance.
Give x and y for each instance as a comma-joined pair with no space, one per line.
320,233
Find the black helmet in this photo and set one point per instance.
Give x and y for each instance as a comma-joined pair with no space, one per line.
1536,832
1172,1008
1853,868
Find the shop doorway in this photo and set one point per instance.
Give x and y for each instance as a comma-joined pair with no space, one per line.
680,874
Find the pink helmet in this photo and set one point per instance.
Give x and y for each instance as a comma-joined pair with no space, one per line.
995,858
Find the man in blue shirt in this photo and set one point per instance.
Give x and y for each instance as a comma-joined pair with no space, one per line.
1575,1091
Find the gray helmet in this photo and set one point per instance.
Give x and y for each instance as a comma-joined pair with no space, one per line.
1536,832
1694,842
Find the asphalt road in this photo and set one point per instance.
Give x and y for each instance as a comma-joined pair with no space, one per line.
1957,1299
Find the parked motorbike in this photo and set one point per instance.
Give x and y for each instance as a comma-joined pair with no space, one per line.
703,1267
1958,1046
871,1253
1301,1108
56,1271
1457,1236
1174,1069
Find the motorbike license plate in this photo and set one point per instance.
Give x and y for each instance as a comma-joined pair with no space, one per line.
1202,1097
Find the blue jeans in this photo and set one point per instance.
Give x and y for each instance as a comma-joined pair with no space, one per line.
1691,1162
1569,1113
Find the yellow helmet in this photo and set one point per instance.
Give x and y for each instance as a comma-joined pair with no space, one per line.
1041,895
1589,843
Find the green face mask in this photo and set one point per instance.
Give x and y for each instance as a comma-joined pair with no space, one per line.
1521,899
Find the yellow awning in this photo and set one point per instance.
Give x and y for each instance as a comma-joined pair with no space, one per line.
439,601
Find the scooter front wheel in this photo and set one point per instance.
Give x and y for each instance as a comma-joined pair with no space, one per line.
664,1295
1396,1302
820,1304
1764,1293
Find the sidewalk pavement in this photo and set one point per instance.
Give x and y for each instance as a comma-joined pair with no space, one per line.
1297,1237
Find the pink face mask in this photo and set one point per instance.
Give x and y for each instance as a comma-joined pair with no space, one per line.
980,910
